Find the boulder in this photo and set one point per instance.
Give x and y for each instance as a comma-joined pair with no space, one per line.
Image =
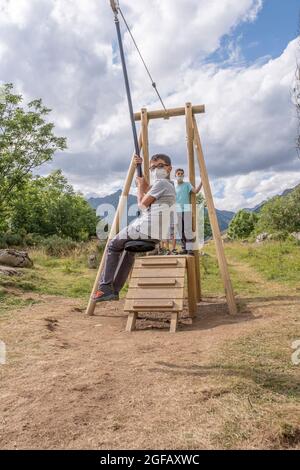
7,271
262,237
92,261
296,235
15,259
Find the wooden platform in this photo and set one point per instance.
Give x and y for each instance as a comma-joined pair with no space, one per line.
157,285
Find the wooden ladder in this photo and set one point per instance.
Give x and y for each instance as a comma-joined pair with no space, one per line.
157,285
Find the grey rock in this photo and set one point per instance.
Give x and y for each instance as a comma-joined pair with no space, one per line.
7,271
296,235
92,261
262,237
15,259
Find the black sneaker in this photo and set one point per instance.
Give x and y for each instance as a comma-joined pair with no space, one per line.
101,296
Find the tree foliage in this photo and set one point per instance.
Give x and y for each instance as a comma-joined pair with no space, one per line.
27,141
49,206
281,214
242,225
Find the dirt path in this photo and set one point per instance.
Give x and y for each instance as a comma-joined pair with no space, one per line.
73,381
252,276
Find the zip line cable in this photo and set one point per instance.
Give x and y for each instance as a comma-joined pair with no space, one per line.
142,59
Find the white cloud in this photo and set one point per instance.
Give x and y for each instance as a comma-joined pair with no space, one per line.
246,191
65,52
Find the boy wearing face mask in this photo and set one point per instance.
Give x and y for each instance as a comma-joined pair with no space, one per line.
156,203
184,212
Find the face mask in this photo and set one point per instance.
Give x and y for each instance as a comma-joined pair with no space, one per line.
180,179
159,174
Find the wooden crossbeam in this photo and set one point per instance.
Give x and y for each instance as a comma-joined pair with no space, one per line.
174,112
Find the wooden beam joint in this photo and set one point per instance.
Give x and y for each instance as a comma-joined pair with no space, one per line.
174,112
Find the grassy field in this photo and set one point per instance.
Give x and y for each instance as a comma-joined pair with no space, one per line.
234,381
277,264
66,276
70,277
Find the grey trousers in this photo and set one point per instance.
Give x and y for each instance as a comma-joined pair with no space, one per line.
118,262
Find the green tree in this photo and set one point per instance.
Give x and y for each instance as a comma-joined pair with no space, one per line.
281,214
242,225
49,206
27,141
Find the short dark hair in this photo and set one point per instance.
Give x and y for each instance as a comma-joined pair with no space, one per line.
163,157
179,169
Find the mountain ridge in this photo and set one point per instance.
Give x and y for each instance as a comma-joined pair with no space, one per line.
224,216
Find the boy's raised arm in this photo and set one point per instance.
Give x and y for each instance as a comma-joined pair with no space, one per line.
198,189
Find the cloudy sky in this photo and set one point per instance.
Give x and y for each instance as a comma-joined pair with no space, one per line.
237,57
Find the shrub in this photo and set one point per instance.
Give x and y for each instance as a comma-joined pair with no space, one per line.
10,239
58,247
281,214
242,225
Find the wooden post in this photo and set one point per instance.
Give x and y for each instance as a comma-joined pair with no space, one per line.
174,322
131,322
214,224
114,228
192,178
145,140
192,285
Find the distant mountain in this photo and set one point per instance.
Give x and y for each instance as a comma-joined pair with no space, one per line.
112,199
224,217
261,205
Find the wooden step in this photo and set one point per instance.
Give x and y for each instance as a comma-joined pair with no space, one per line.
154,293
156,282
157,262
158,272
157,285
163,305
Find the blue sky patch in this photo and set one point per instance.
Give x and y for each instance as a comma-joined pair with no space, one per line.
275,26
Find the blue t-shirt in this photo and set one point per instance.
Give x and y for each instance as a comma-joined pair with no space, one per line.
183,200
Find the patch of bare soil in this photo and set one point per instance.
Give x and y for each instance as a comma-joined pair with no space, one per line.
73,381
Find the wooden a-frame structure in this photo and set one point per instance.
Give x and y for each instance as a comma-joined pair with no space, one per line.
193,143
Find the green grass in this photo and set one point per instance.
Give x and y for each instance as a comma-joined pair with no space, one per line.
276,261
212,282
70,277
9,301
261,264
67,276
